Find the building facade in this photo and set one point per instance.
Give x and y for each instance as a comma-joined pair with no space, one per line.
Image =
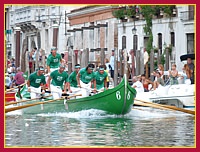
77,28
177,31
40,26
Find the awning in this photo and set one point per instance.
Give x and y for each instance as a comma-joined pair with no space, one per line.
186,56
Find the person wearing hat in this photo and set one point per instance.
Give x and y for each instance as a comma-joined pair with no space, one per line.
53,60
84,78
101,78
36,82
72,87
58,77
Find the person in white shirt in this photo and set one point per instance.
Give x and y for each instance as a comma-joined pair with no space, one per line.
112,61
137,85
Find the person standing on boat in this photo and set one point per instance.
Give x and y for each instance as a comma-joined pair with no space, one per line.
101,78
36,82
58,77
72,79
53,61
191,66
84,79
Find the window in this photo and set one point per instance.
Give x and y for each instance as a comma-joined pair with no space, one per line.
160,42
135,39
172,39
190,43
123,42
191,12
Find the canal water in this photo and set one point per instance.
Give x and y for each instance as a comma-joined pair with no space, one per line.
142,127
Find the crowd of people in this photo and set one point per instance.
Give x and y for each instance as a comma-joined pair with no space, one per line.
143,84
57,80
14,76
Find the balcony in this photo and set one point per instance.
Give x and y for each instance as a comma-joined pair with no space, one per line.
187,15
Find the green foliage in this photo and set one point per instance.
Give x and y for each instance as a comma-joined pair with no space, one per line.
147,12
168,9
130,12
163,59
169,47
119,14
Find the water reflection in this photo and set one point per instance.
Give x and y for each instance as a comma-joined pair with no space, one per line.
147,127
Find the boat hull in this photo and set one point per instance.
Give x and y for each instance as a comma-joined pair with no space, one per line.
10,96
118,100
181,96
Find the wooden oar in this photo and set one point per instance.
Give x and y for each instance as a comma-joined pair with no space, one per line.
37,103
68,97
15,87
150,104
15,102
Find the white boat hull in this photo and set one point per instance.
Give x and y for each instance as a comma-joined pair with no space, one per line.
181,95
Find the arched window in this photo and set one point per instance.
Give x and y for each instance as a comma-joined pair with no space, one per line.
160,42
172,39
123,42
135,39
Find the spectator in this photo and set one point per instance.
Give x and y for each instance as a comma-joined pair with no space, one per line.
19,79
191,66
30,60
161,70
112,61
159,82
13,62
8,81
187,73
146,83
173,75
137,84
107,63
9,69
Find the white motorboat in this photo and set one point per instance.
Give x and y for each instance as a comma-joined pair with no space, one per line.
180,95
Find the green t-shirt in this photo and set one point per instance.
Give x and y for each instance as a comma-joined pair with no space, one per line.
53,61
36,80
58,78
100,79
72,79
85,76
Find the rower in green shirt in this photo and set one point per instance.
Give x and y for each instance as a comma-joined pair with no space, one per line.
101,78
85,77
36,82
59,78
72,87
53,61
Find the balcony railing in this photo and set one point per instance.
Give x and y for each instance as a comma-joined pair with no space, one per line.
187,15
